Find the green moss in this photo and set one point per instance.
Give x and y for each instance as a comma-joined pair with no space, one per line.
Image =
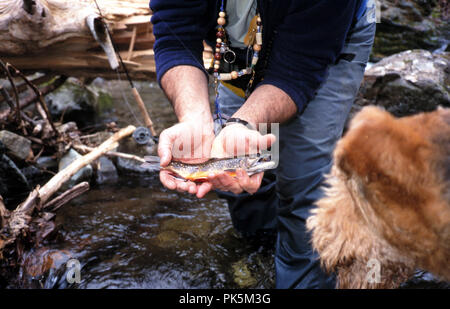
104,101
242,275
49,82
167,239
197,228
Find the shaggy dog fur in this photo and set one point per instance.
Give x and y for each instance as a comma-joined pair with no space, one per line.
388,200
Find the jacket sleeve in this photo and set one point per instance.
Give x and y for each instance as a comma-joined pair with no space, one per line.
179,29
306,42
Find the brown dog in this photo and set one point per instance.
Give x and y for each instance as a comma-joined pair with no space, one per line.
386,211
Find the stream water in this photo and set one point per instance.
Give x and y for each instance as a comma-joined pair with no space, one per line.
137,234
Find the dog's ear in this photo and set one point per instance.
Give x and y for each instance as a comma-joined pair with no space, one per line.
369,115
354,149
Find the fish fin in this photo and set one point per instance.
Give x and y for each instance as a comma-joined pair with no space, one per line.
231,173
178,177
200,180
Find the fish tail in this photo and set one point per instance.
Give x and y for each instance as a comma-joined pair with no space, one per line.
151,163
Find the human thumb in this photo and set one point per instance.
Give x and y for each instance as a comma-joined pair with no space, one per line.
265,141
166,140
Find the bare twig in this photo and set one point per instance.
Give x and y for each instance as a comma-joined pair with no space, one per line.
84,148
144,112
5,68
66,197
133,40
46,90
39,96
23,86
6,96
35,140
4,213
24,116
56,182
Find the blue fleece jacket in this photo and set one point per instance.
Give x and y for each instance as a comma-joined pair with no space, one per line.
305,37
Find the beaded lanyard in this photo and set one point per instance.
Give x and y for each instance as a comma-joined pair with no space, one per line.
222,47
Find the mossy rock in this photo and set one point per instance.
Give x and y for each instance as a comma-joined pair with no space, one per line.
74,96
406,25
242,275
194,227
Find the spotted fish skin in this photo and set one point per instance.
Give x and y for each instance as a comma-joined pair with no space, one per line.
200,172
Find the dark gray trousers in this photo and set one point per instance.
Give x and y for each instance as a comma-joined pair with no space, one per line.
306,144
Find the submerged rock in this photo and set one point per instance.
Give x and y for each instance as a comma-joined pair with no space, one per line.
168,239
192,226
82,175
16,146
242,275
407,83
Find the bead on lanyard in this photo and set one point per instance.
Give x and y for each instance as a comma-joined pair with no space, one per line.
223,51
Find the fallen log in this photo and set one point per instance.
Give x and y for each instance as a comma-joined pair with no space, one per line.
53,36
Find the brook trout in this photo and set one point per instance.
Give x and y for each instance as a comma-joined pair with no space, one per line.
199,172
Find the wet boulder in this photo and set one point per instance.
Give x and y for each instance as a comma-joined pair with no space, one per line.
407,83
78,102
83,174
16,146
106,171
409,24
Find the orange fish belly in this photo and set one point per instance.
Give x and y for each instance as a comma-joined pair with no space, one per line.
203,176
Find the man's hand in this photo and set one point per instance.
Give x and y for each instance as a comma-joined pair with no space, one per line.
190,140
259,108
187,142
238,140
187,89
